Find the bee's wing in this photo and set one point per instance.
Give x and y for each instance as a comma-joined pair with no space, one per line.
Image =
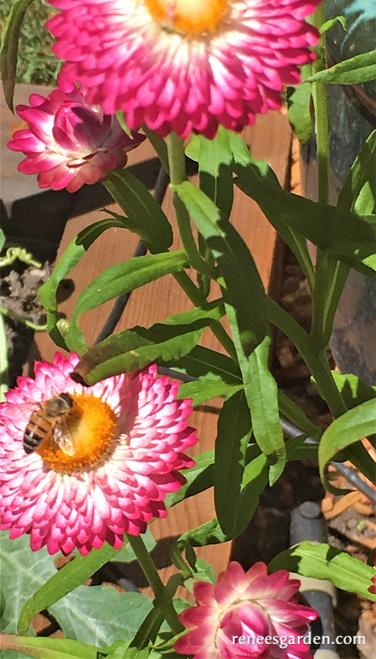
63,437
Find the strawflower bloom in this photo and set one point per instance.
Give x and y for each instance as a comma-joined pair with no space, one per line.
69,143
129,435
183,65
247,614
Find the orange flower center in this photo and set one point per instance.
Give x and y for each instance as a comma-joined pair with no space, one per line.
90,429
190,17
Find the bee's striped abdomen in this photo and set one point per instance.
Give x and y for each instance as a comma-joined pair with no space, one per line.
36,431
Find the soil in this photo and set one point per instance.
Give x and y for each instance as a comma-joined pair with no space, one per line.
18,293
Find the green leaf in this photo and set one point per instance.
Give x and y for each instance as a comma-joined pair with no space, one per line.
101,614
72,255
209,533
205,362
215,160
9,47
126,553
244,288
359,190
345,431
262,397
207,387
357,69
72,575
299,111
327,25
353,390
145,216
294,413
28,569
2,239
321,561
119,279
320,223
233,436
198,478
47,648
133,349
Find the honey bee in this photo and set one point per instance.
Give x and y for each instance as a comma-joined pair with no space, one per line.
50,421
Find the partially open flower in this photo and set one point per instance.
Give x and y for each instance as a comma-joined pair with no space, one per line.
94,465
247,614
69,143
183,65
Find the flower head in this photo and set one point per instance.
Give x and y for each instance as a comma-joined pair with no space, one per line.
125,439
183,65
69,143
247,614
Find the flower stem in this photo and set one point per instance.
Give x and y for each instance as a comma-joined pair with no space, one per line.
176,160
320,101
151,573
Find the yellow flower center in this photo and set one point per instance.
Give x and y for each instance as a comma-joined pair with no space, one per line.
190,17
91,429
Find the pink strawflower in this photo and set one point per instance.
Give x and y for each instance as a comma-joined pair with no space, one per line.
183,65
130,433
69,143
247,614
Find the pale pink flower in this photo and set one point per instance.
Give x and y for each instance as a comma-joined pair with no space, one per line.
130,434
247,614
183,65
69,143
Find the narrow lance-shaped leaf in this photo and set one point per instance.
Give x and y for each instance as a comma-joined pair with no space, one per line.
119,279
71,256
198,478
145,216
357,69
321,561
9,47
233,435
345,431
244,288
350,236
215,161
262,396
135,348
47,648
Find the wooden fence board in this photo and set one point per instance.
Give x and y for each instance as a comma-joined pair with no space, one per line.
270,139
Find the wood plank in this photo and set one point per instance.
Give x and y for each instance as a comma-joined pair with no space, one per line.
270,139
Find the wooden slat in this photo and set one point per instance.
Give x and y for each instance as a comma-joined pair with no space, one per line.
270,139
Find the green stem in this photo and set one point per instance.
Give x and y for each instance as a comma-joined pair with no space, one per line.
317,362
199,300
3,360
321,115
176,160
151,573
25,321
